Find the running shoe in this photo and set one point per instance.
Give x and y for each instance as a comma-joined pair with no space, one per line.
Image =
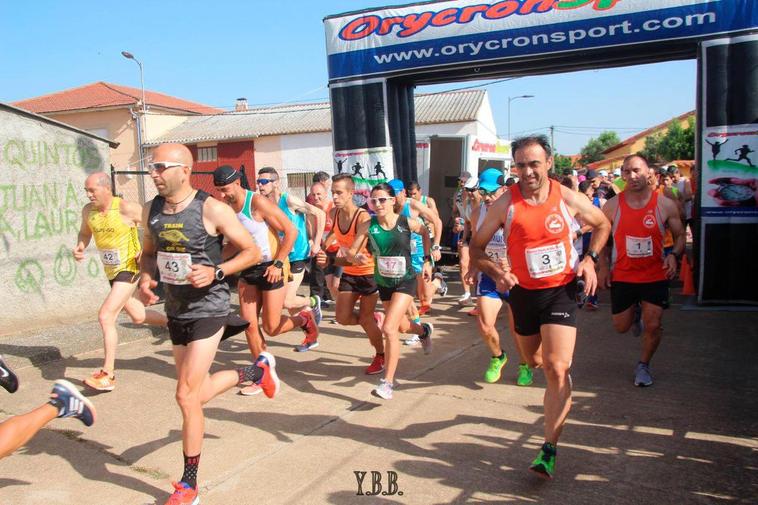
384,390
642,376
71,403
637,326
544,464
376,366
101,381
581,298
495,370
251,390
425,310
183,495
269,383
466,299
442,290
426,338
415,339
8,379
525,376
592,305
316,309
473,312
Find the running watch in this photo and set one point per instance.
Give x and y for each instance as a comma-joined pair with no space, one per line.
219,274
594,256
278,264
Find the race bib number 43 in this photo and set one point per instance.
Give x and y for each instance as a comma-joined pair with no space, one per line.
546,261
174,267
392,267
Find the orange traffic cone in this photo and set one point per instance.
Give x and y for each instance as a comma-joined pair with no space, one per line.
686,275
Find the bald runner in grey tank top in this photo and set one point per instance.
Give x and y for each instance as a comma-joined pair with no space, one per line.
181,239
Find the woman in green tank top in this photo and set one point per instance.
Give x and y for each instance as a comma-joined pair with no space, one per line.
389,238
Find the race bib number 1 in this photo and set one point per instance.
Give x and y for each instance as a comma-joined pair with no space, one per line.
546,261
639,247
110,257
174,267
392,267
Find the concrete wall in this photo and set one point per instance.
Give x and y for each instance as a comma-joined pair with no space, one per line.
307,152
42,172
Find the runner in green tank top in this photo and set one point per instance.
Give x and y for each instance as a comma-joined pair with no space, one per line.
390,242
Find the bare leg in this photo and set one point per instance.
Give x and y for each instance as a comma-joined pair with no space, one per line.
18,430
463,257
394,313
293,302
488,310
558,342
119,294
139,315
651,337
250,307
274,323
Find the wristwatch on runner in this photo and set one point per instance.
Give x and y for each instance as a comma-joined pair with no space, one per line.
435,248
278,264
219,274
594,256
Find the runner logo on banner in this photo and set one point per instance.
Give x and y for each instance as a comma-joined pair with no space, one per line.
730,171
368,167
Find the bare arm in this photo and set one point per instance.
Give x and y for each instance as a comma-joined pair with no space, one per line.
221,217
363,218
148,262
494,220
361,235
674,222
604,278
277,221
298,205
417,226
85,235
601,229
432,205
430,216
131,212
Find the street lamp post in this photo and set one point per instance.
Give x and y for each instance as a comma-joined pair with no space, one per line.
140,120
510,99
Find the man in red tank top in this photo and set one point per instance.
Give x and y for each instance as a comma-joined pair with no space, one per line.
636,270
357,281
536,216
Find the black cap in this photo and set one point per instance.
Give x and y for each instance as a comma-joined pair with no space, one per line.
591,174
224,175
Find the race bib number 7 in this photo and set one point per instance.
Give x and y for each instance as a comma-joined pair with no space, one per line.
546,261
392,267
174,267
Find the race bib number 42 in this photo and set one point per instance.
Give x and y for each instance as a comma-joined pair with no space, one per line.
110,257
546,261
174,267
639,247
392,267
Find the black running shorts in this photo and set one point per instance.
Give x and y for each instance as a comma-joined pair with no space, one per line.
408,287
184,331
534,307
125,276
255,277
362,284
626,294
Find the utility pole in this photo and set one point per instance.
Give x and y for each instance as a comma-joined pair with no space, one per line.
552,139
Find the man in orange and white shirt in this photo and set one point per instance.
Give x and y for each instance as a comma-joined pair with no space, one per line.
637,270
540,272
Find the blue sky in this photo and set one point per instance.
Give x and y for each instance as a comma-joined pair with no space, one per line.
274,52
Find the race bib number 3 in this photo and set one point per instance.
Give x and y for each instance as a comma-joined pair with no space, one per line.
546,261
110,257
639,247
174,267
392,267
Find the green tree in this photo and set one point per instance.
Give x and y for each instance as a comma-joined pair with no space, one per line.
676,143
561,163
679,143
593,151
652,149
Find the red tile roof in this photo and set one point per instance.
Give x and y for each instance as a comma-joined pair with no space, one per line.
103,94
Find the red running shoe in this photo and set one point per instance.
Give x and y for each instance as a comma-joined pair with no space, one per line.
270,381
376,366
424,310
473,312
183,495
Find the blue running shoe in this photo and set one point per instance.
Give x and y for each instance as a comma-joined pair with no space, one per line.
70,402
